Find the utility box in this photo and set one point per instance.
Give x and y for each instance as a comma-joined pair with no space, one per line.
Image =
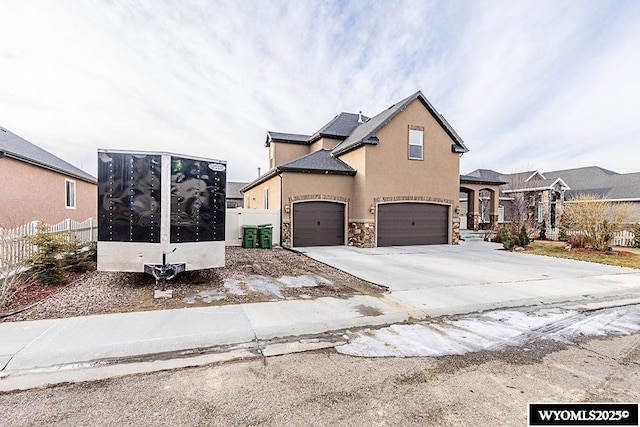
160,213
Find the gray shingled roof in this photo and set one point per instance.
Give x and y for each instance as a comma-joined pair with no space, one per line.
582,178
293,138
20,149
320,161
486,173
366,132
625,186
588,180
232,189
470,179
341,126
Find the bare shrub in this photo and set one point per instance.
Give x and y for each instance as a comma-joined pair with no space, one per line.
596,218
578,240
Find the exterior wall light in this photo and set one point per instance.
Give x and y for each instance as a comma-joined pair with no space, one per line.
457,210
287,208
372,209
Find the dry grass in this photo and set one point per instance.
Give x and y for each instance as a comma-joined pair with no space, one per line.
626,257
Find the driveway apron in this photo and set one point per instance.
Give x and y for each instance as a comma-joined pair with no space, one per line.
453,279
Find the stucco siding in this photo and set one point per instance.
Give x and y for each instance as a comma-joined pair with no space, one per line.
323,143
311,186
357,210
390,173
29,193
284,153
255,197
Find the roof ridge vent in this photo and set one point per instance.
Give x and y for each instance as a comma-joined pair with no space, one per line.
360,117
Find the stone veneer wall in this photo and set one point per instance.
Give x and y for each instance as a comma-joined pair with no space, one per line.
455,230
286,234
362,234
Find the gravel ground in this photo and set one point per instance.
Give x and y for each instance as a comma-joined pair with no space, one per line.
105,292
324,388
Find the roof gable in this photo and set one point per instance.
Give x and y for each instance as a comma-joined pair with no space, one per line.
291,138
319,161
20,149
366,132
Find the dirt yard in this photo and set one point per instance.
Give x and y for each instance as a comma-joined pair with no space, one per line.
250,275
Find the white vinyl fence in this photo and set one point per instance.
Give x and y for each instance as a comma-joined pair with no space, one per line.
13,247
621,238
238,217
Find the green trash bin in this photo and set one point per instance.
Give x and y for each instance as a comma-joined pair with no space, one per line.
249,236
265,236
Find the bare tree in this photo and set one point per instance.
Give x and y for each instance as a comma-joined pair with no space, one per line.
596,218
521,209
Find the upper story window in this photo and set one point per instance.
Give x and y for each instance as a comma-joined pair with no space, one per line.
70,194
416,138
272,162
266,198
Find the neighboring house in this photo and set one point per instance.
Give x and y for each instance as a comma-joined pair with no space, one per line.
233,195
545,193
392,179
36,185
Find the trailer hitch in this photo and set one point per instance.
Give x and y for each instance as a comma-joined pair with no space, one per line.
165,271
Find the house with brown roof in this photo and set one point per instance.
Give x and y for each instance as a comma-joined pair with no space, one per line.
36,185
390,179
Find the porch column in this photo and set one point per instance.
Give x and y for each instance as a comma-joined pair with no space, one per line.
473,210
495,207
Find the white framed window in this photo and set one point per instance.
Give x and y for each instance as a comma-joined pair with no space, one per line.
272,163
500,213
266,198
416,137
70,194
540,213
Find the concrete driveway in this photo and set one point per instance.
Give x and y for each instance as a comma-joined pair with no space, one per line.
453,279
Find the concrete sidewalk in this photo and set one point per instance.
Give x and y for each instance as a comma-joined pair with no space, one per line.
57,345
423,281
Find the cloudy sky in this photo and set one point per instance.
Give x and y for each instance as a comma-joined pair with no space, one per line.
527,84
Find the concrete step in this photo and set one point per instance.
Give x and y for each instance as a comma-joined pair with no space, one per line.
474,236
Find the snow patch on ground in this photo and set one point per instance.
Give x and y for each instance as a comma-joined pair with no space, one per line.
207,296
261,285
489,331
304,281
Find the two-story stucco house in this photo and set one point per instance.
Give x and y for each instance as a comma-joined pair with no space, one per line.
392,179
36,185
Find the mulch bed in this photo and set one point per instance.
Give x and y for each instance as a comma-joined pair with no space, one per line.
99,292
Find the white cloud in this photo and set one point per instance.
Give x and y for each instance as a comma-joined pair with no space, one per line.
209,78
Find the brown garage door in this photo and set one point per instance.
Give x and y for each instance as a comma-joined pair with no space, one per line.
318,224
402,224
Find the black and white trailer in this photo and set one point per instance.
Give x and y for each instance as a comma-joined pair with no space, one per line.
160,213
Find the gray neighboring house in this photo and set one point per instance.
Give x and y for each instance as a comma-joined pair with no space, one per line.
233,195
547,192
